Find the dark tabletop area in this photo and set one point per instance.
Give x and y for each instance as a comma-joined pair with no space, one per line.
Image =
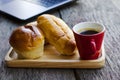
106,12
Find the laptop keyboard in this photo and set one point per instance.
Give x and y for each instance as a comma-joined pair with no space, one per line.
4,1
45,3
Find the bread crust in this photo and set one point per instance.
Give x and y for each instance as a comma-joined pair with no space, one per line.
57,33
26,40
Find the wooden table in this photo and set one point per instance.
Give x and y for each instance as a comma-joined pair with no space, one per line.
106,12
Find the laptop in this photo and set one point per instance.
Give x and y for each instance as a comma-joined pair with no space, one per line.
25,9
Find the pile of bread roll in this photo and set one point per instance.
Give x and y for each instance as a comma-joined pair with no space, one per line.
28,41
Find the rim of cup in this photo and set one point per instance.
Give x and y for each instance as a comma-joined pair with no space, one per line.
82,25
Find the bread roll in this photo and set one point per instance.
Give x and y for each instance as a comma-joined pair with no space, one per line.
57,33
32,24
35,24
27,41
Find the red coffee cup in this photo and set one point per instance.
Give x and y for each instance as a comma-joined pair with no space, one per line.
89,39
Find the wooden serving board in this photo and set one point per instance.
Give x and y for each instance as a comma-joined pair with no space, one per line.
52,59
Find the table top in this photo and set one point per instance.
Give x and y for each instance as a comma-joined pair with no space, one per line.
106,12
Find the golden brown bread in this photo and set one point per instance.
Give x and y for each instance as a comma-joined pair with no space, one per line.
35,24
57,33
27,41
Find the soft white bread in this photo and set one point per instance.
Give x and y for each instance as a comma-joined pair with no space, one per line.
27,41
57,33
32,24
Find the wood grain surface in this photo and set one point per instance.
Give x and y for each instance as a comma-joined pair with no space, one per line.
53,59
106,12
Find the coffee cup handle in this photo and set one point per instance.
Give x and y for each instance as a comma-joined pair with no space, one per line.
93,46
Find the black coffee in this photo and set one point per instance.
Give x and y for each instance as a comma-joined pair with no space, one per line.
89,32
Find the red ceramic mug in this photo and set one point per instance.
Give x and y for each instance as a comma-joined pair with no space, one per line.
89,38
